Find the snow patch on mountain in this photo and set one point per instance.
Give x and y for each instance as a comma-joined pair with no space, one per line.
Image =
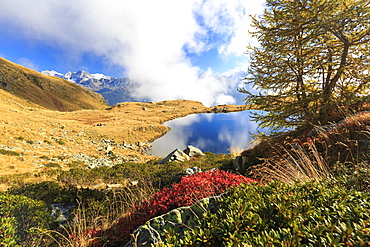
116,90
113,89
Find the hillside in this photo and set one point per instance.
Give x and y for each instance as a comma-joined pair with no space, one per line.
34,139
49,92
114,90
45,155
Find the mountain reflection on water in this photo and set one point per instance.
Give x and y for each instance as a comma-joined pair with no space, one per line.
211,132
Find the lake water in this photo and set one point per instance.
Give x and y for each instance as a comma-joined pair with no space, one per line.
211,132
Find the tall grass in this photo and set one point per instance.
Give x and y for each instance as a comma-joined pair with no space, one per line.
235,151
88,220
290,166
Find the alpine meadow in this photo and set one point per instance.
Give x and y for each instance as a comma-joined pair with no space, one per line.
78,166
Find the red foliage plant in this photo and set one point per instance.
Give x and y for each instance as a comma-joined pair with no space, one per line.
190,189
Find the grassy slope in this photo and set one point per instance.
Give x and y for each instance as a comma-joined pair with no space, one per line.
33,124
23,122
49,92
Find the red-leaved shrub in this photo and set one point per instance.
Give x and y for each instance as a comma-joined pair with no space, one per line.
190,189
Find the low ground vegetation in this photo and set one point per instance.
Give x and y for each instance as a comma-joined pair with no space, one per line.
188,191
325,213
96,208
331,209
333,159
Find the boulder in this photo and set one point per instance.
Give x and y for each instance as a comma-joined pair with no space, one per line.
191,171
176,155
62,212
109,148
193,151
178,220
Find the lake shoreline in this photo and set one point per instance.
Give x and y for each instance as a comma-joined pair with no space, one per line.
35,138
211,132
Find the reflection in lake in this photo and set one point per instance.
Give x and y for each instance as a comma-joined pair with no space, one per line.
210,132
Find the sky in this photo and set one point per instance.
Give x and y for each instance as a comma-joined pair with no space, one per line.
175,49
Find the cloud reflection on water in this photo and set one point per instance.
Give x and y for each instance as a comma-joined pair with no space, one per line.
210,132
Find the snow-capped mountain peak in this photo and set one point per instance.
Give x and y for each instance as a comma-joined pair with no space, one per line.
101,76
52,73
113,89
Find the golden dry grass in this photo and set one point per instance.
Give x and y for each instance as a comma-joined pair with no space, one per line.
45,118
290,166
35,132
47,91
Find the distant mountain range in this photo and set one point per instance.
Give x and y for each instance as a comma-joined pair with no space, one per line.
116,90
113,89
48,92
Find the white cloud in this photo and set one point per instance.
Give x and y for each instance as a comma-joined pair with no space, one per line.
230,19
27,63
145,37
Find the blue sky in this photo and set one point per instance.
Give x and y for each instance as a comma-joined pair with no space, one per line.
164,44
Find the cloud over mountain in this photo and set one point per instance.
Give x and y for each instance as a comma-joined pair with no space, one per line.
155,42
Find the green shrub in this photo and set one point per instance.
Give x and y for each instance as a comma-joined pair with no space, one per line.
30,142
309,214
52,165
77,164
190,189
15,178
210,160
8,231
9,152
160,175
353,176
51,192
47,142
60,142
19,216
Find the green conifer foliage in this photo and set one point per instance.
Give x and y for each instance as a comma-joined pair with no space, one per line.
313,56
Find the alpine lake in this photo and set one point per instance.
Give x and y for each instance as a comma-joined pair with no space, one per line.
210,132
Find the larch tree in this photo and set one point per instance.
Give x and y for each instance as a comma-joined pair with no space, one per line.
312,57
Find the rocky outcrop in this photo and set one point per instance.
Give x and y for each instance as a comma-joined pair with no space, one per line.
178,155
178,220
193,151
62,212
191,171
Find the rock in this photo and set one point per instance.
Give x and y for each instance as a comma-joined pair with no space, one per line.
178,220
193,151
134,182
140,144
100,186
240,163
93,162
191,171
219,110
61,212
176,155
114,186
100,124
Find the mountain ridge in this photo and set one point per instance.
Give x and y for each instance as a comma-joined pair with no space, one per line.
48,92
114,90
